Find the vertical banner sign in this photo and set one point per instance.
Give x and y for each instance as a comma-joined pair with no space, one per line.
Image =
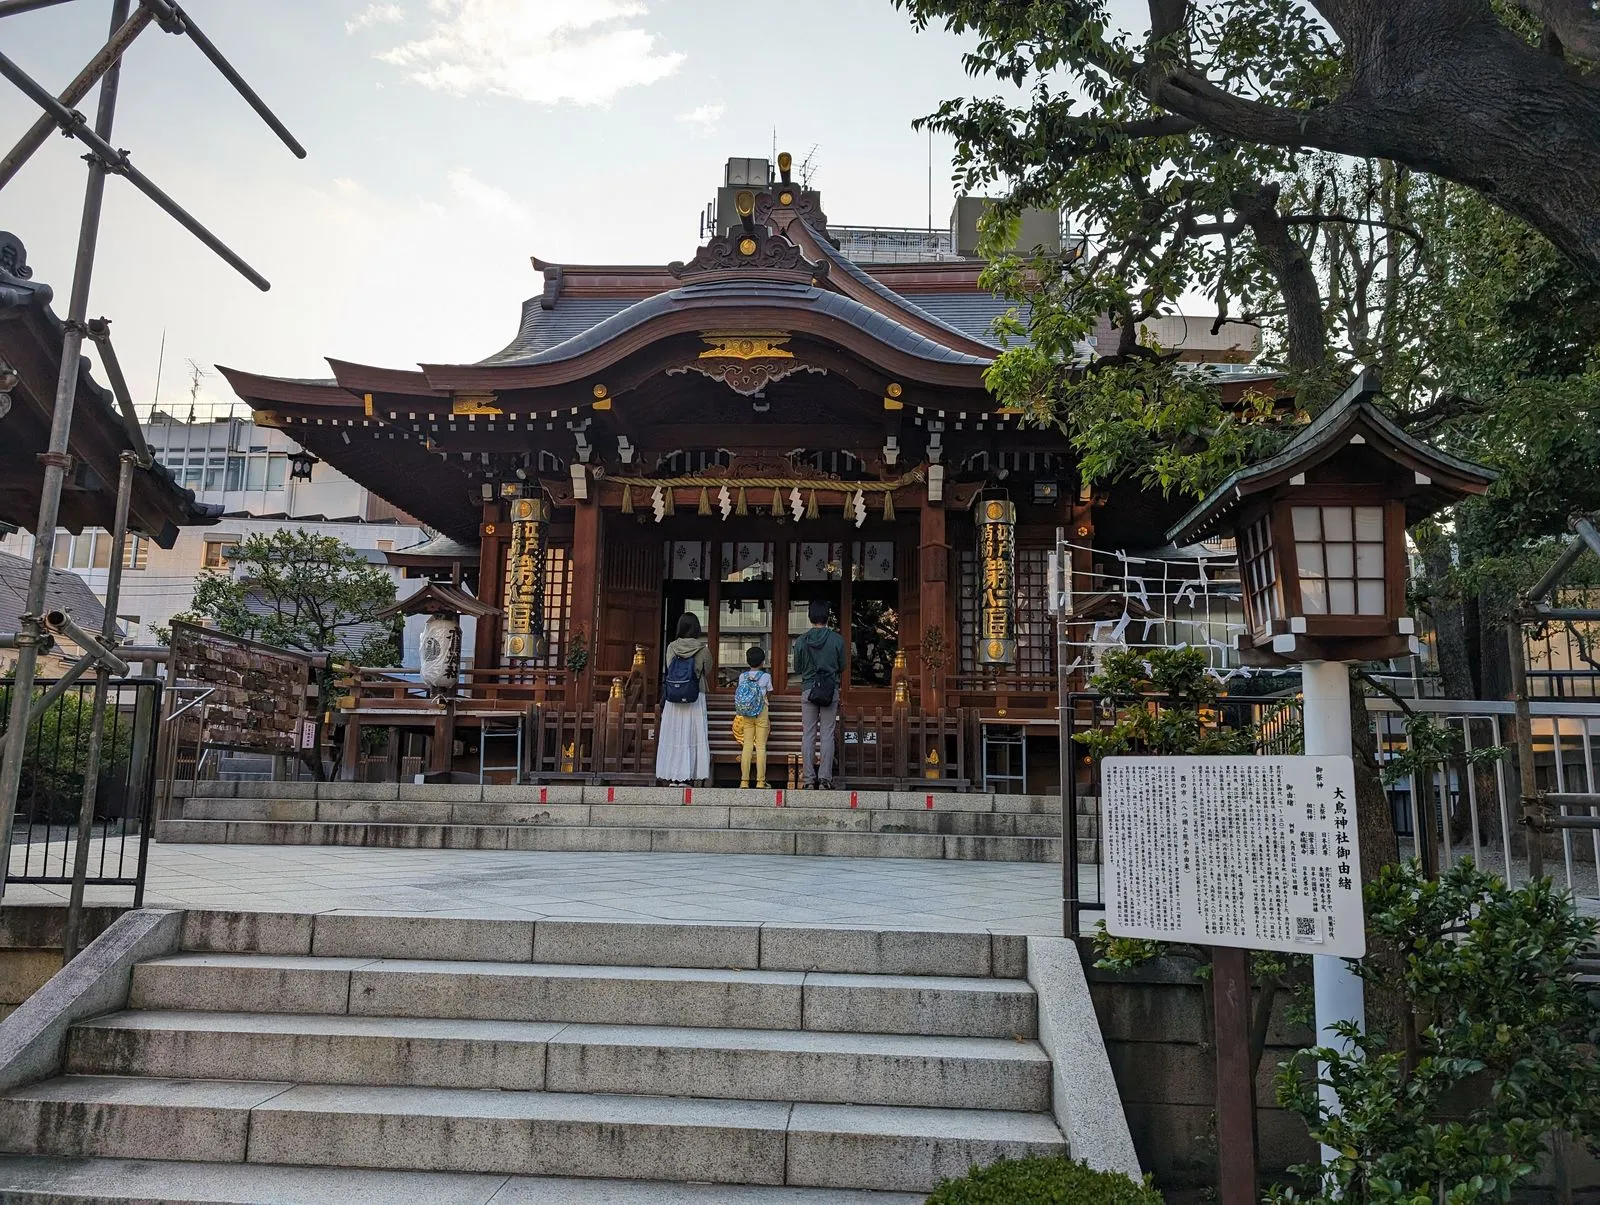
1252,852
997,589
524,592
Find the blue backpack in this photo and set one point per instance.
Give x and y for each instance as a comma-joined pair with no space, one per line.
682,685
749,700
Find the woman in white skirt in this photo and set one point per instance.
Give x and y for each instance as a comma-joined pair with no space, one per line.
683,750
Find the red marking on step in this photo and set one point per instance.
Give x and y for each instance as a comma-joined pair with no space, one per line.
777,797
544,794
688,795
930,803
853,800
611,794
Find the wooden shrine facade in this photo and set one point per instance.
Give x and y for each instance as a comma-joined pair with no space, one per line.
738,435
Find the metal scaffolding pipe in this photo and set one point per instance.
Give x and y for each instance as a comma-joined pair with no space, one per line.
39,132
71,941
175,16
100,332
10,8
61,623
112,160
56,459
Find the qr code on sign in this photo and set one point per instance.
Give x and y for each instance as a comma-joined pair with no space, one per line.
1305,928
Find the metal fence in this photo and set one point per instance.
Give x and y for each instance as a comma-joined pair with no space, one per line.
44,835
1462,793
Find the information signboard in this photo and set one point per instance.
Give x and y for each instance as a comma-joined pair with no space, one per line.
1254,852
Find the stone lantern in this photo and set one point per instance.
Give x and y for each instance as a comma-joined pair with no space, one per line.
1320,529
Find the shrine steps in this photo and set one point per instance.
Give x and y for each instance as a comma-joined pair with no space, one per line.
585,818
346,1057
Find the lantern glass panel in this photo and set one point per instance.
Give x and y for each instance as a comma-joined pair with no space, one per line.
1339,551
1261,573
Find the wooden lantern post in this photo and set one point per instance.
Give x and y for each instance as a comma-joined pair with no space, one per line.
1321,534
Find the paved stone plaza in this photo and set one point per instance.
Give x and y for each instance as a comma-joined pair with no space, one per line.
899,893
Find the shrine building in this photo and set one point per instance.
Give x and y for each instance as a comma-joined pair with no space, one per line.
796,412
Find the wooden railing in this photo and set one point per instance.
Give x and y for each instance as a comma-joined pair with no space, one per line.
904,749
480,689
610,743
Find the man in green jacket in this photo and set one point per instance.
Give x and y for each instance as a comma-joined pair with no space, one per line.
819,661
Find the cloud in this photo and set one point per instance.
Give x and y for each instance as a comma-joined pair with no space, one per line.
545,51
375,14
486,197
703,120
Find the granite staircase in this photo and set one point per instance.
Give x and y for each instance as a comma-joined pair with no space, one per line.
571,817
386,1058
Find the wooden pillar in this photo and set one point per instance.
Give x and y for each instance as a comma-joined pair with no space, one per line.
491,585
934,591
587,566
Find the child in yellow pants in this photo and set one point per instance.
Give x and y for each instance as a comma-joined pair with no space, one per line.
755,684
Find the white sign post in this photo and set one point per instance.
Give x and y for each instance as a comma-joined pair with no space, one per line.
1258,853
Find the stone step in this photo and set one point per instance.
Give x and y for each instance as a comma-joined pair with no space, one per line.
44,1181
515,1133
700,997
587,839
798,816
740,1064
594,794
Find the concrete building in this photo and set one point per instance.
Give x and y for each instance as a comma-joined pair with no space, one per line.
248,470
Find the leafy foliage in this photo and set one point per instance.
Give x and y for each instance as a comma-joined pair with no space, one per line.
1057,1181
298,589
1498,1049
1431,744
1164,703
57,754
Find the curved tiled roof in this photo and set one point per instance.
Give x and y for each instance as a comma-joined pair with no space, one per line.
834,305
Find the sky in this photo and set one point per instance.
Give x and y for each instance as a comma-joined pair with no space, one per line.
449,141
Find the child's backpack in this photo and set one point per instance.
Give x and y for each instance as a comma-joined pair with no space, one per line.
682,685
749,700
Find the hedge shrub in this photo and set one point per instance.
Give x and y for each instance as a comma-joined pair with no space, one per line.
1056,1181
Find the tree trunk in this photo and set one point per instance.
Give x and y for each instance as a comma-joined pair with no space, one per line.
1292,271
1443,87
1379,845
1449,623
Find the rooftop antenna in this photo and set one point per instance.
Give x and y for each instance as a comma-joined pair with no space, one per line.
161,359
196,375
808,166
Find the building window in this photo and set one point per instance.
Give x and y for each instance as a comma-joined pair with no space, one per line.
235,479
1261,573
136,553
255,473
215,556
277,470
385,545
1340,553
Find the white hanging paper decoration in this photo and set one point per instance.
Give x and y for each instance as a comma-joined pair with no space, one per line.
860,507
797,504
658,503
724,501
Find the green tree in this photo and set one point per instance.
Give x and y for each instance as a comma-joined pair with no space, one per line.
1496,1049
300,590
57,752
1501,96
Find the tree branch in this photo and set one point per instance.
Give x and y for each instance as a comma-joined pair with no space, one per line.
1316,219
1575,22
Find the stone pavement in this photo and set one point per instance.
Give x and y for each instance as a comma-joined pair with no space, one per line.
899,893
